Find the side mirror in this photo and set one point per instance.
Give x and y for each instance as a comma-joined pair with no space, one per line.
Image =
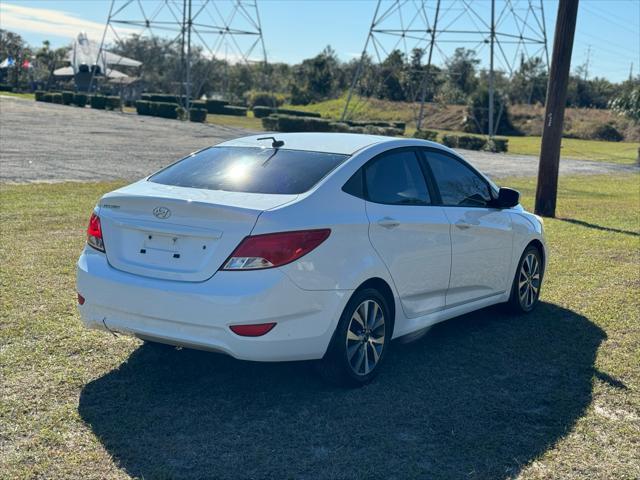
507,198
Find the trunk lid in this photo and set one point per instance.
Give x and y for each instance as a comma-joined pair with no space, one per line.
178,233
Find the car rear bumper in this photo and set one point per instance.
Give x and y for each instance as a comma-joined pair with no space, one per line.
198,315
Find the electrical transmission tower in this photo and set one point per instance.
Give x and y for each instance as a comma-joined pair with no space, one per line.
505,31
223,30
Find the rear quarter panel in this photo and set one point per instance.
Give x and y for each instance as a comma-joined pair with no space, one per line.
343,261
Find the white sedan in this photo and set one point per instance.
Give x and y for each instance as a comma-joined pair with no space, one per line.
307,246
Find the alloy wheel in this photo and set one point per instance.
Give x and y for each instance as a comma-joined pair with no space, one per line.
365,337
529,281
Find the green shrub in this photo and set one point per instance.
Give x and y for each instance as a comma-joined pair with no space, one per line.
477,119
56,98
47,97
270,123
497,145
161,97
254,98
261,112
607,132
292,123
376,130
235,110
340,127
450,141
216,106
112,103
142,107
430,135
99,102
378,123
298,113
198,115
5,88
469,142
80,99
67,97
39,95
164,110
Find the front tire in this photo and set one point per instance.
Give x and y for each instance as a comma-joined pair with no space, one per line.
525,291
360,342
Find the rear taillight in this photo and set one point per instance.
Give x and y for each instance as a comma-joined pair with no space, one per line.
274,249
94,233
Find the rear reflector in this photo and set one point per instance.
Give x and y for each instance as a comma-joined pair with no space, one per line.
94,233
274,249
80,300
256,330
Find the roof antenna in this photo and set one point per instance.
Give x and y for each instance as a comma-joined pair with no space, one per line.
275,143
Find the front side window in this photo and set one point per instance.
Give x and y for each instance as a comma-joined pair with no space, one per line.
459,185
250,170
396,179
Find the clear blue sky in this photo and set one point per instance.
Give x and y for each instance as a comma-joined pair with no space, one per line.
294,30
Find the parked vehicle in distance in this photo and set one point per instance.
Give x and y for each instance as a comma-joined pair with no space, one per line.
310,246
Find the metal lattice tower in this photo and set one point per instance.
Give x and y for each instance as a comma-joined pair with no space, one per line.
505,30
224,30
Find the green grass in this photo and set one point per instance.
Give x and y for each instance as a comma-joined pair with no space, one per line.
615,152
550,395
29,96
249,122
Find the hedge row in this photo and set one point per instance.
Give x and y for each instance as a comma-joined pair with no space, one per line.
377,123
99,102
198,115
5,88
430,135
262,111
470,142
157,109
161,97
292,123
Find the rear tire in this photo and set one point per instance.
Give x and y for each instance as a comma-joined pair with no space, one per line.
360,342
525,290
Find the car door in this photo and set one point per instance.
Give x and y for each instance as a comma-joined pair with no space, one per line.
409,233
481,236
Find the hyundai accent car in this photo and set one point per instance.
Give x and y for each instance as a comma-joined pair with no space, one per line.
307,246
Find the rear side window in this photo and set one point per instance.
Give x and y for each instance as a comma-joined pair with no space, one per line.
459,185
250,170
396,179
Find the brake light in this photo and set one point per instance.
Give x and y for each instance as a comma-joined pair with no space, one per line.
94,233
255,330
274,249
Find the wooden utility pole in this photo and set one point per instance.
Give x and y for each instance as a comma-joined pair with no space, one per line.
547,190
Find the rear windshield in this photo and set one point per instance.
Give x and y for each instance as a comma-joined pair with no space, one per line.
250,169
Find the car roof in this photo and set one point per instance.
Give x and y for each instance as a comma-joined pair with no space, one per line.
342,143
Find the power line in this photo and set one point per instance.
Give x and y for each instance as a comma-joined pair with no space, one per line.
229,31
513,29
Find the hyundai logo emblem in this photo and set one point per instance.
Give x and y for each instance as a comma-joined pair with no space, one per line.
162,212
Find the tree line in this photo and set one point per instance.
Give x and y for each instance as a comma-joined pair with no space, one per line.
461,80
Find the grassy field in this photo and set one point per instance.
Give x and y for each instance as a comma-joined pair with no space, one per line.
489,396
28,96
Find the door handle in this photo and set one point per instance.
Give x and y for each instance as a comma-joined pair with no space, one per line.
462,226
388,222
